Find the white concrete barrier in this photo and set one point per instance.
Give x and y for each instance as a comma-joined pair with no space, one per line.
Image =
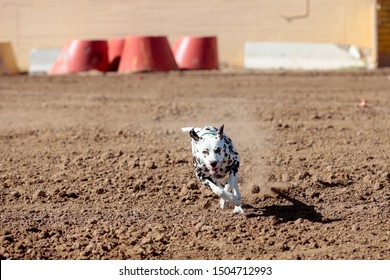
303,56
42,60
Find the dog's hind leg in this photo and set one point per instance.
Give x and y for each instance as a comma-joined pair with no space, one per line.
228,189
233,184
237,208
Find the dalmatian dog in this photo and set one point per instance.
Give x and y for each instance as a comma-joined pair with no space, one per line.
214,157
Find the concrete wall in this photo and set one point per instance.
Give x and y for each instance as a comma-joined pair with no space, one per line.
49,23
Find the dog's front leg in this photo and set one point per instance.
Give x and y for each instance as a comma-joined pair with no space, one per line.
219,190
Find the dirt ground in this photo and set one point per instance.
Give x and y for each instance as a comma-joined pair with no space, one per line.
96,167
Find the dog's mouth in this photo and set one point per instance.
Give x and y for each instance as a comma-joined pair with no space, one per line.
213,170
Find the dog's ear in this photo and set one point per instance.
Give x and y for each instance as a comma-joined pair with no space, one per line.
220,131
194,135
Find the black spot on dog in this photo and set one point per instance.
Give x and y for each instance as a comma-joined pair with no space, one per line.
235,167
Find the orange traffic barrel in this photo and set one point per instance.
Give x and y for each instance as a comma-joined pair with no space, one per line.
147,53
8,63
82,55
115,48
196,53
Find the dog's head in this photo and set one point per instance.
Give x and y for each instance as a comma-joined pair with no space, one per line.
209,147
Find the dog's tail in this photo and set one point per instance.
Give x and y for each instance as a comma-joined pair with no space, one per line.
186,129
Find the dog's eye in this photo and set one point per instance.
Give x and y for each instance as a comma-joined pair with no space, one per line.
205,152
217,150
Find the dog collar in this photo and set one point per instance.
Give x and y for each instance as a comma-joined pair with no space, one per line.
209,133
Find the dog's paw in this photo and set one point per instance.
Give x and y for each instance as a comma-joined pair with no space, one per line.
222,203
238,210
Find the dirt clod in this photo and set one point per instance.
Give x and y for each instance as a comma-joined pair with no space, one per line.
255,189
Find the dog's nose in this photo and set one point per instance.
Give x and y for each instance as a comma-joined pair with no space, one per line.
213,163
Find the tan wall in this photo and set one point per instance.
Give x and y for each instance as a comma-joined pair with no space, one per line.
49,23
384,33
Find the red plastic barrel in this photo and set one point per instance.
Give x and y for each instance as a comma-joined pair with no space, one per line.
82,55
147,53
196,53
115,49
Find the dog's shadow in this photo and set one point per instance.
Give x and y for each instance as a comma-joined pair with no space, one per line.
285,213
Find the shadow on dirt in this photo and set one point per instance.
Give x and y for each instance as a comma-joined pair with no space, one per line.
285,213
